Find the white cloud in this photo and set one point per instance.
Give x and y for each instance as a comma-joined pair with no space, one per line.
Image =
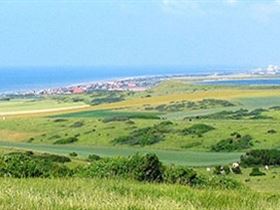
232,2
260,10
182,6
277,2
265,10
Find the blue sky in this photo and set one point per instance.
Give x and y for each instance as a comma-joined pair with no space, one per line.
139,32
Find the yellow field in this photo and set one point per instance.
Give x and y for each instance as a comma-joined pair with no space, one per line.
12,135
225,94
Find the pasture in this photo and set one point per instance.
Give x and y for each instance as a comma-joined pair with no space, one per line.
33,106
187,158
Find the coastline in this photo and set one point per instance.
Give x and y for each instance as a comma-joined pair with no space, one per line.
135,83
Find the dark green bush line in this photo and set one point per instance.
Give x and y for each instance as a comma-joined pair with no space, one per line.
190,105
106,100
148,168
261,157
238,115
23,165
43,156
144,168
234,143
146,116
146,136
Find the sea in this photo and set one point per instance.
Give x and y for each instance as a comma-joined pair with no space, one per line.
24,79
13,80
246,82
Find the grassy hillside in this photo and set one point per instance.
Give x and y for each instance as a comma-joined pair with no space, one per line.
182,103
119,194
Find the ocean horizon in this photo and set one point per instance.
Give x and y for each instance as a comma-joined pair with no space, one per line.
24,79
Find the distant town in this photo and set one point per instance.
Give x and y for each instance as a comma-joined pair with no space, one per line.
142,83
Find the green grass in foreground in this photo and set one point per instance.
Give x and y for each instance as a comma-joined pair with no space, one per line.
188,158
76,193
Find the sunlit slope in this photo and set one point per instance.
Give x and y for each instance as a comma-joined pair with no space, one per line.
225,94
28,106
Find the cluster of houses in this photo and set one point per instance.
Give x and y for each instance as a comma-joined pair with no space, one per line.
133,84
116,85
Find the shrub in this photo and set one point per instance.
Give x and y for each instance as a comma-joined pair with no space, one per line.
197,129
261,157
140,167
271,131
146,168
146,136
238,114
60,120
22,165
54,158
109,99
93,157
180,175
44,156
222,182
68,140
256,172
73,154
115,118
77,124
233,144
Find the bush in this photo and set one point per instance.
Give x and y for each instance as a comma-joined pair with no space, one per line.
93,157
222,182
180,175
60,120
233,144
115,119
22,165
67,140
146,136
54,158
109,99
139,167
44,156
197,129
146,168
256,172
77,124
261,157
73,154
271,131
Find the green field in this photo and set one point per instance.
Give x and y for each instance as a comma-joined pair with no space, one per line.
187,158
111,114
175,115
36,105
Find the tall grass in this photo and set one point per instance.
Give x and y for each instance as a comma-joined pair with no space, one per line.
62,194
